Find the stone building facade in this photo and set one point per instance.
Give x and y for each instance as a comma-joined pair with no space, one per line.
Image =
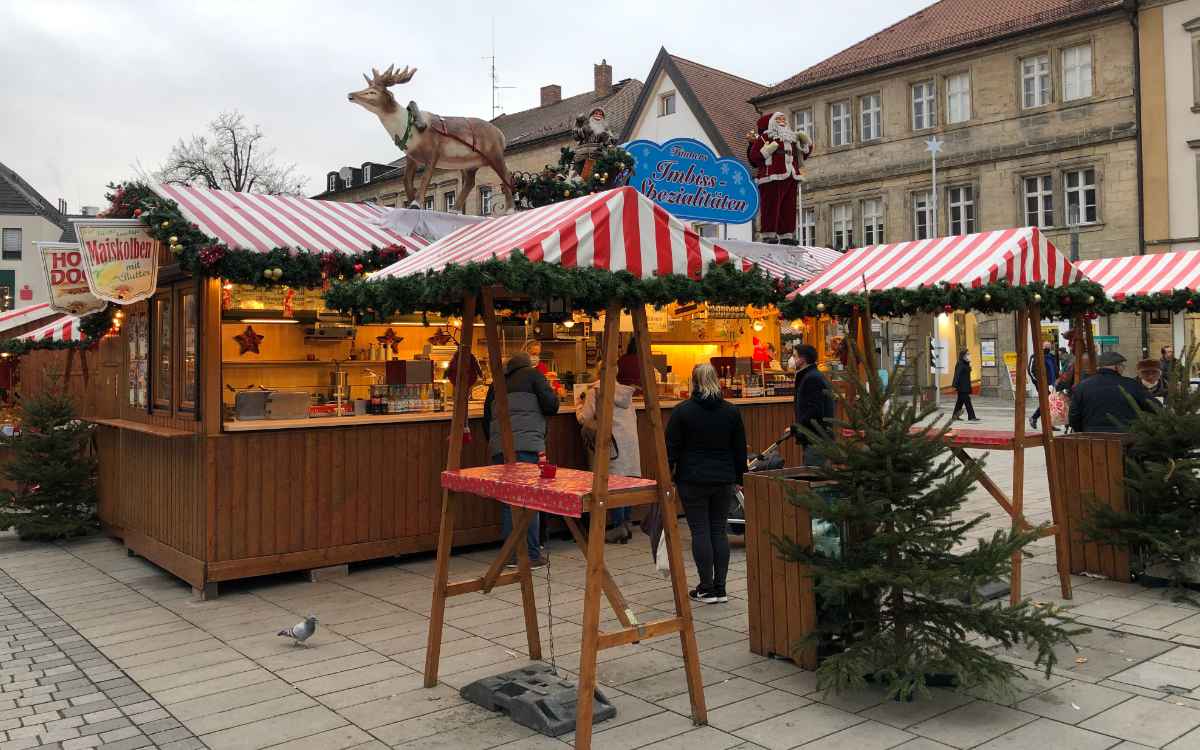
535,137
1038,118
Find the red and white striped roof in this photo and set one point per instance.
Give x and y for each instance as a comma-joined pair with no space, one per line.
15,318
251,221
66,328
1018,256
617,230
783,261
1144,274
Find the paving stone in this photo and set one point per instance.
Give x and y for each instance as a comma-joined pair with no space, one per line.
275,730
703,738
1073,702
799,726
1156,676
1145,721
972,724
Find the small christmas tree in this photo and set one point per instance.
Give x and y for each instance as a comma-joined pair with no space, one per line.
903,600
1162,480
54,476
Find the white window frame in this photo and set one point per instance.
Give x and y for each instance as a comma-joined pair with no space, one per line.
922,203
1080,193
333,183
1035,81
841,226
923,98
808,226
708,229
1076,73
802,120
870,119
429,202
840,124
872,221
450,198
958,98
1043,195
666,104
960,210
6,243
485,201
367,174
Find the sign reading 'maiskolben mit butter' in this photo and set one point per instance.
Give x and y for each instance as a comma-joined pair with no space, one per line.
120,257
66,279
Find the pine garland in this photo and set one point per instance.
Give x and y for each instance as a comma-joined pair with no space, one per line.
201,255
93,326
611,168
1081,298
1177,301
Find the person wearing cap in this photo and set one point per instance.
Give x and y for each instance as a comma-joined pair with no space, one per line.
1102,402
1150,375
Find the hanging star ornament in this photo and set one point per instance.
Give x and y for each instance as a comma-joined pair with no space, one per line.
248,340
390,340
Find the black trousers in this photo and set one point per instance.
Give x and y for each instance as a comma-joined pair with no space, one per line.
964,399
707,509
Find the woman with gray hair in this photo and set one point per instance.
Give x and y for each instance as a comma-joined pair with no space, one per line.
706,448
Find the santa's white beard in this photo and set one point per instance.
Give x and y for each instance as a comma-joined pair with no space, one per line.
777,132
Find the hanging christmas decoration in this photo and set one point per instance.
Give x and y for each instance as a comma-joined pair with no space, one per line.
248,341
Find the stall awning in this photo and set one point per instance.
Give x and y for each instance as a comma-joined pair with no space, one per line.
66,328
250,221
1144,274
783,261
25,315
1018,256
615,230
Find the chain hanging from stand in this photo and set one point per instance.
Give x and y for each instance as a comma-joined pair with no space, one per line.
550,612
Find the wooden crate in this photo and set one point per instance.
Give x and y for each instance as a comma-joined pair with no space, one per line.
1092,470
782,606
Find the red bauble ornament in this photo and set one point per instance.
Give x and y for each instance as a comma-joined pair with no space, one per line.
248,340
137,212
1065,300
948,308
1190,303
358,267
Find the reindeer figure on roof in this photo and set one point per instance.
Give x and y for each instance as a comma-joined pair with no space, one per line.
463,143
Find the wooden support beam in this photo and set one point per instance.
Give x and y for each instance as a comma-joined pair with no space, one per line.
636,633
614,595
1061,548
1018,493
476,584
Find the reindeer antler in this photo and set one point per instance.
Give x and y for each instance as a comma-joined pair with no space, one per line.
390,77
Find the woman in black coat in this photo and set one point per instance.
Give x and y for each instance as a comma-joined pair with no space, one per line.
962,384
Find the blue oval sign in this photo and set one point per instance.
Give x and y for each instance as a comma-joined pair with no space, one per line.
685,177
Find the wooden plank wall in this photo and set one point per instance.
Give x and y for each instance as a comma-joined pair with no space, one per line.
1092,468
782,606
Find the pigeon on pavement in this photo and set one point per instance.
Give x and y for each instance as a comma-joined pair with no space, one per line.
301,631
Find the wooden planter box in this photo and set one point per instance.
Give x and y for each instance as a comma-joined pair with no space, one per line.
1092,470
783,609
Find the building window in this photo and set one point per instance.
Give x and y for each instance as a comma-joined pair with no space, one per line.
843,226
808,227
1193,27
958,98
448,200
924,105
332,183
870,112
802,122
164,318
1035,81
485,201
962,210
923,215
366,174
711,231
1077,72
1039,201
1080,188
666,104
839,124
429,203
11,249
872,221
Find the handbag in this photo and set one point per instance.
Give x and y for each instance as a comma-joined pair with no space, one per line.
1059,407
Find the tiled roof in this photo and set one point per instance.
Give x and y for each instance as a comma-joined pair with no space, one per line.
721,97
18,197
944,26
534,125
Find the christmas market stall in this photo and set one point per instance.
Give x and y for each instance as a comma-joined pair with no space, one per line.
606,253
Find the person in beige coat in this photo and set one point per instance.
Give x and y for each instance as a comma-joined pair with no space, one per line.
624,451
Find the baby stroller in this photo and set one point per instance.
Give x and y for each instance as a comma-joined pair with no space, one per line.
766,461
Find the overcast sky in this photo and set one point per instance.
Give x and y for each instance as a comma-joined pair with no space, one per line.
91,91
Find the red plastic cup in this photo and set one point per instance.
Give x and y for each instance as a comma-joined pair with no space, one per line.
549,471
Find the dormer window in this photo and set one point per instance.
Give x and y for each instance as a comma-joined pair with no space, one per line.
332,183
366,174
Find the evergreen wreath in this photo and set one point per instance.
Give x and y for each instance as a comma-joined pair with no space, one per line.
612,167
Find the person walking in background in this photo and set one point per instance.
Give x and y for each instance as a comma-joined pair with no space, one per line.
629,367
962,384
530,401
624,449
1051,375
1150,375
812,401
1167,364
1101,403
706,449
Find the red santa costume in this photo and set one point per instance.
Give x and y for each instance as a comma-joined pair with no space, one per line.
778,155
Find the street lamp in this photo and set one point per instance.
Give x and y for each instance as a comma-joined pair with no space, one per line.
934,146
1073,223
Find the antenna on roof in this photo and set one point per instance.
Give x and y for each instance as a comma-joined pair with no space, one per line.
495,84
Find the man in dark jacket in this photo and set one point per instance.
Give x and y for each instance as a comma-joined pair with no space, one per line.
530,401
1101,403
812,400
962,384
1051,375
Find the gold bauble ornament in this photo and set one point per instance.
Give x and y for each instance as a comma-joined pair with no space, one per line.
1091,300
987,297
1037,297
566,193
173,240
820,307
165,224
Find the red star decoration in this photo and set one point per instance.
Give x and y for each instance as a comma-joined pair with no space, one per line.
390,340
248,340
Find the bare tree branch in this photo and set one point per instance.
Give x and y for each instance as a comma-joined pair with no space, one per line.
233,159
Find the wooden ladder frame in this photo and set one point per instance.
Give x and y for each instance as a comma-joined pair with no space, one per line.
597,503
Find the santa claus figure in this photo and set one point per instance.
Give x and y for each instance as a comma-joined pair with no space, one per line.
777,153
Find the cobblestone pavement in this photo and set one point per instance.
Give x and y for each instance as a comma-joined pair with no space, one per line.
145,654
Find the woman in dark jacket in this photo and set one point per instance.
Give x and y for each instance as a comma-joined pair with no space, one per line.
706,447
962,384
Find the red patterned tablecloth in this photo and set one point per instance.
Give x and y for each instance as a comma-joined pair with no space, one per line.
975,437
521,484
